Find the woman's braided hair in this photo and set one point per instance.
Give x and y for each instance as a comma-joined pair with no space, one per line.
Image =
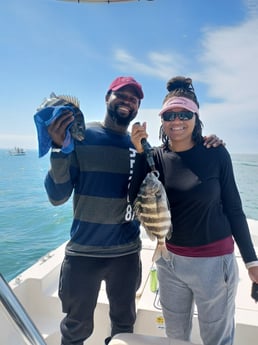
182,87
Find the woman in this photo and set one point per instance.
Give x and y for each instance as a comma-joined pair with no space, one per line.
207,218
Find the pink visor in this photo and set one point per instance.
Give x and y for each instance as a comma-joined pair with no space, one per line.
179,102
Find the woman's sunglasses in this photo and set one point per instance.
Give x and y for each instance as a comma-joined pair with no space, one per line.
182,115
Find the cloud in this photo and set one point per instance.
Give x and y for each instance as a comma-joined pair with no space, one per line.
252,7
227,57
227,68
157,64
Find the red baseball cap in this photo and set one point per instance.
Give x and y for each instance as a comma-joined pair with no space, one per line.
120,82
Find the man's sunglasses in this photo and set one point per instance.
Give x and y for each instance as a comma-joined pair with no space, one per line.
182,115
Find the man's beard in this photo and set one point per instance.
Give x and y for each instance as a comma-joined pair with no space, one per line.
121,120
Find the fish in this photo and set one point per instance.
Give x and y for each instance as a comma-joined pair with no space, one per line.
77,128
151,208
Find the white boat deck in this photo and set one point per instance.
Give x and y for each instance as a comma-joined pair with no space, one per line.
36,288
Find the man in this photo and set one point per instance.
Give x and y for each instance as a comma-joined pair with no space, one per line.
105,242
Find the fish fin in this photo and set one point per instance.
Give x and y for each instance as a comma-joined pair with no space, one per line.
160,251
156,254
169,234
150,234
55,100
137,208
53,95
70,99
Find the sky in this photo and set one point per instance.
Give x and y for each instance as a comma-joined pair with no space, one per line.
79,48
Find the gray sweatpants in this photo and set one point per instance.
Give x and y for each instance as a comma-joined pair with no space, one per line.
210,283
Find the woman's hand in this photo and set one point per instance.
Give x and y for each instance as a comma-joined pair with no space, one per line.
137,134
253,274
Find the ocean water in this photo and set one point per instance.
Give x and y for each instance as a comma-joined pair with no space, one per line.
30,226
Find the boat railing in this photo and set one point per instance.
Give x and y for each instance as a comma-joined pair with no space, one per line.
12,311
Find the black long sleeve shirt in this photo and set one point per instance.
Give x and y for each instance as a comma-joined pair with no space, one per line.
203,196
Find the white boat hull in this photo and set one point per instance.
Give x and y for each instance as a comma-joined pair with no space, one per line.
37,290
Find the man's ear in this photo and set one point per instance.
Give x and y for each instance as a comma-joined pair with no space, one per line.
108,96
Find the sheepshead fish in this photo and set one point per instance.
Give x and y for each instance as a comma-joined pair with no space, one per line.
152,210
77,128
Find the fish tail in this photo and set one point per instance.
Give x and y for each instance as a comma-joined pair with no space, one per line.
160,251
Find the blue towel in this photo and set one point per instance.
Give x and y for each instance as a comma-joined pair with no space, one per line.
43,118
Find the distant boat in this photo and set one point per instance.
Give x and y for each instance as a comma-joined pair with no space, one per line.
17,151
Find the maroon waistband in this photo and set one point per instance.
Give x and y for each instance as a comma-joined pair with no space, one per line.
218,248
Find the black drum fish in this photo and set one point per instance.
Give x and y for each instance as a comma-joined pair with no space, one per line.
152,210
77,128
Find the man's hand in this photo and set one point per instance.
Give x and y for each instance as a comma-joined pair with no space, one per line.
57,128
212,141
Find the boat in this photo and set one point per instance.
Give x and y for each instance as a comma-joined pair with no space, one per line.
17,151
32,298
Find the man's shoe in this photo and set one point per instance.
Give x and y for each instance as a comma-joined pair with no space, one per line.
107,340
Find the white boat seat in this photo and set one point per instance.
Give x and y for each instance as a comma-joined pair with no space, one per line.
140,339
